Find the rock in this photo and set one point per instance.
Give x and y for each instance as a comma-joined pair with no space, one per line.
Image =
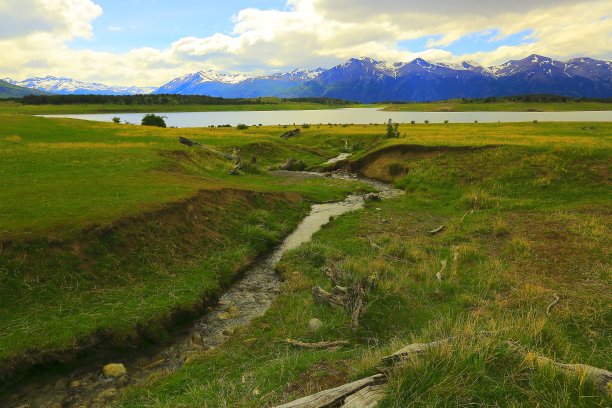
371,197
106,395
75,384
114,370
314,325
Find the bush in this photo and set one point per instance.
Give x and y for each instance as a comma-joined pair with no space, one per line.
153,120
242,126
426,121
116,119
305,126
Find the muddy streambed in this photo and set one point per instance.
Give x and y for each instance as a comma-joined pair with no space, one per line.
245,300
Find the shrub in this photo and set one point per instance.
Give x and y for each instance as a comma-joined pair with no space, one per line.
153,120
242,126
305,126
426,121
116,119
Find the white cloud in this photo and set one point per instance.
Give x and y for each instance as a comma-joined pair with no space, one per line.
307,33
114,28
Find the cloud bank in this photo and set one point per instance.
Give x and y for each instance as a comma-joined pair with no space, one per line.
306,33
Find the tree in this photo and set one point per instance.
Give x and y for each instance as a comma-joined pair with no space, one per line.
153,120
392,130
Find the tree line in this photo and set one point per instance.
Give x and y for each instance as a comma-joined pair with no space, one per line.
163,99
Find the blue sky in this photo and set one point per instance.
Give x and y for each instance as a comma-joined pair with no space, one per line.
128,24
150,42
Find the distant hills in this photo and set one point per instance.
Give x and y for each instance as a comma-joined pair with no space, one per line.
68,86
367,80
8,90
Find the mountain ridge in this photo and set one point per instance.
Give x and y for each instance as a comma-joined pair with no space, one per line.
367,80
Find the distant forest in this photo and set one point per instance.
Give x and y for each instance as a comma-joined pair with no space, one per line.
541,98
164,99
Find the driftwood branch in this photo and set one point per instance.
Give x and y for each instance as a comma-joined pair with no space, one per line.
414,349
551,304
336,397
323,296
437,230
320,345
465,215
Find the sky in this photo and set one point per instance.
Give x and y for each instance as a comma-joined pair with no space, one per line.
150,42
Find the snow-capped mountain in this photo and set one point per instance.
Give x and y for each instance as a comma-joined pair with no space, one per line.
239,86
68,86
367,80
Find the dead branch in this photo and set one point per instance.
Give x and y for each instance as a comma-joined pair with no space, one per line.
357,308
551,304
437,230
336,396
323,296
320,345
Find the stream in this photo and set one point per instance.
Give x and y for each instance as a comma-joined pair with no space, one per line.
248,298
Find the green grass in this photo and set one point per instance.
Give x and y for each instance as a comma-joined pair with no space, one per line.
107,226
458,106
96,227
539,226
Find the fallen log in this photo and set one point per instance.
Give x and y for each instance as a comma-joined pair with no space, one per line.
367,397
319,345
336,397
323,296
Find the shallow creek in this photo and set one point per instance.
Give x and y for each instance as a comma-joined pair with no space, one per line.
247,299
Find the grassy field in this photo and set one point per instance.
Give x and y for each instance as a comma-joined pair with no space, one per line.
15,107
527,216
106,226
459,106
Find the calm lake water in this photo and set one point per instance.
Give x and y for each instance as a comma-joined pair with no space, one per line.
345,116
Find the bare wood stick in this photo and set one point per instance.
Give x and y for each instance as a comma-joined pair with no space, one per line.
551,304
323,296
335,396
320,345
437,230
465,215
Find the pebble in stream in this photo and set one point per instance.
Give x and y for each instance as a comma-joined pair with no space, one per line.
247,299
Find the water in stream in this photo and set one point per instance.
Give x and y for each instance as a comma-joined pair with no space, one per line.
247,299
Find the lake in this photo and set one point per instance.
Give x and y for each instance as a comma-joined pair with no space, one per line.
345,116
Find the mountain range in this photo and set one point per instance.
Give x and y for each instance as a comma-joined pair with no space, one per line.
367,80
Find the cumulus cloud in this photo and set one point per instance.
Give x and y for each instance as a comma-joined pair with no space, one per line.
306,33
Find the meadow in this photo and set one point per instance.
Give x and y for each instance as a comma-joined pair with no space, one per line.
502,106
105,226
